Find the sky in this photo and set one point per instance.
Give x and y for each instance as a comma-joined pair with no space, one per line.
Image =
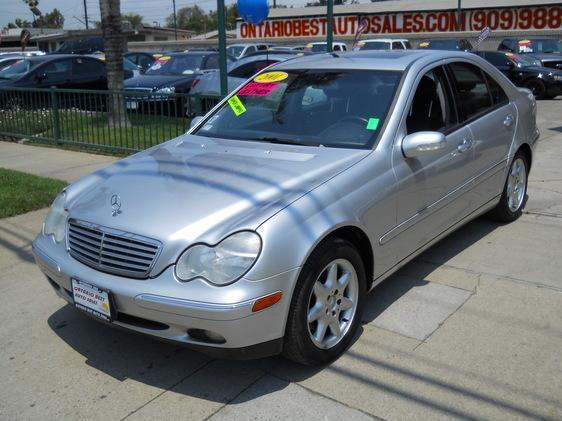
152,10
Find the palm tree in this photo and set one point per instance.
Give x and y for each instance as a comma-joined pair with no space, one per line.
113,40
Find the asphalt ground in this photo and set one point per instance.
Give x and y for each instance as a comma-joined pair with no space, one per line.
471,329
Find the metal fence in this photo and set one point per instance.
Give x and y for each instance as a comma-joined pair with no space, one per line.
120,121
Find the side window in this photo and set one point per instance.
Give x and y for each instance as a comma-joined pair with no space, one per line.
212,62
432,108
261,47
397,45
407,45
499,96
144,61
472,92
57,70
81,67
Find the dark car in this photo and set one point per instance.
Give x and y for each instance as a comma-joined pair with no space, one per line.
59,71
547,50
526,71
143,60
170,74
81,46
451,44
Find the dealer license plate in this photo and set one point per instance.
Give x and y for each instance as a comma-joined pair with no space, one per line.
91,299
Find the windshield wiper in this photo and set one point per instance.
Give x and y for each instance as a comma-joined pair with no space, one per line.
282,141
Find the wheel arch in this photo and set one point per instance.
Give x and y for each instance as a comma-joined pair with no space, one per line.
528,152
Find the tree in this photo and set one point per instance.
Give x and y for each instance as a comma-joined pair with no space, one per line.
191,17
20,23
134,19
54,19
113,40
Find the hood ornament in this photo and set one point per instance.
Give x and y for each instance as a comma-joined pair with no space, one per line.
115,202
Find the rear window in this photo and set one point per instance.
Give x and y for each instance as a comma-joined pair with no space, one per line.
333,108
176,65
473,97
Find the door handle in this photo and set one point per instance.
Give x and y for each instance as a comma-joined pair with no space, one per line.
465,145
508,121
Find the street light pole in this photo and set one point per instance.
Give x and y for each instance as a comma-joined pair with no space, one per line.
222,46
175,21
329,24
86,14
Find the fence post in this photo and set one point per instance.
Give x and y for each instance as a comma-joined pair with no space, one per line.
56,116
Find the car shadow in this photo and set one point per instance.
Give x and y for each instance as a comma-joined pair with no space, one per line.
125,355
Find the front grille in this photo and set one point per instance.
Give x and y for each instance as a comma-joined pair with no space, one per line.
554,64
111,251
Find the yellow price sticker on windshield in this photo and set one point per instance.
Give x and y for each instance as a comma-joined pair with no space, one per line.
271,77
424,44
164,58
236,106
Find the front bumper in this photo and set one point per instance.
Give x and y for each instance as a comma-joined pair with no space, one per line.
167,309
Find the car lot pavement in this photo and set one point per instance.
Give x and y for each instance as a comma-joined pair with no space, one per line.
471,329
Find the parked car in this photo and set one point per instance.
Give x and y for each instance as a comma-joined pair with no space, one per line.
547,50
239,71
60,71
129,68
263,228
143,60
451,44
525,71
288,48
241,50
383,44
81,46
172,74
322,47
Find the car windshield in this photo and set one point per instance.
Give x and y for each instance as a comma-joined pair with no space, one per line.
333,108
176,65
376,45
235,50
539,46
16,70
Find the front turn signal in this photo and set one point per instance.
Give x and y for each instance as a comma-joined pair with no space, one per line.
267,301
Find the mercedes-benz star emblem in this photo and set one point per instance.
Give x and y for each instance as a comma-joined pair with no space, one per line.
115,205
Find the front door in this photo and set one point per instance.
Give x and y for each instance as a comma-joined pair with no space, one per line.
432,191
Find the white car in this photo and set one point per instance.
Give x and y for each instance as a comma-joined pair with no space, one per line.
322,47
242,50
383,44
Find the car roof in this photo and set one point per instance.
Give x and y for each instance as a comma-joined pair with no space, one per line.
383,39
398,60
50,57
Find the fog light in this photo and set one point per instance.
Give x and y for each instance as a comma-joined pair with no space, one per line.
205,336
267,301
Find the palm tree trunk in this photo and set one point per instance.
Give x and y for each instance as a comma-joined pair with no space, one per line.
113,39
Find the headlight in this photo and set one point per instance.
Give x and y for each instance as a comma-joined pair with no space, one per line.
167,90
557,77
55,223
222,264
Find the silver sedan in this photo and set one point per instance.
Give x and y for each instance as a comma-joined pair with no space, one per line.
262,229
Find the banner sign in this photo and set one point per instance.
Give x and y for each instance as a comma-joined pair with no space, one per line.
514,18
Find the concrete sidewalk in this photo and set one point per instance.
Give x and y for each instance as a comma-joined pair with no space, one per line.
471,329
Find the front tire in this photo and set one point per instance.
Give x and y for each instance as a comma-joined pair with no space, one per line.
514,192
327,304
537,87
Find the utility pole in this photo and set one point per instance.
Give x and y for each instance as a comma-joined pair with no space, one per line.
274,4
175,20
330,18
459,16
222,47
86,15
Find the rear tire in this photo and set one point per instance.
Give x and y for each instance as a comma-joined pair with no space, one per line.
514,193
327,304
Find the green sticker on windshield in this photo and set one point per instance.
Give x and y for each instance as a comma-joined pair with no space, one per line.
372,124
236,106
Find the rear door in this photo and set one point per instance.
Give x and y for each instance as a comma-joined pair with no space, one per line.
88,73
491,117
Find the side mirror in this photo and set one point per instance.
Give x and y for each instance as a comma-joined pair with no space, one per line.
195,121
423,143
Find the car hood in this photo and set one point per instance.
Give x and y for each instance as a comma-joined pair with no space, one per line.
196,189
157,81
